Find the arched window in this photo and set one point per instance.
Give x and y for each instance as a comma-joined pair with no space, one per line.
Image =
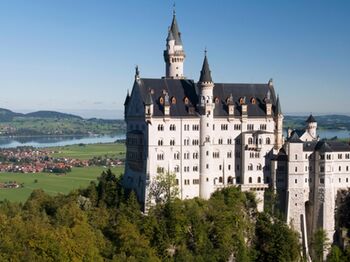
268,140
250,140
259,167
260,141
259,179
176,155
160,127
160,142
250,180
220,179
230,180
250,167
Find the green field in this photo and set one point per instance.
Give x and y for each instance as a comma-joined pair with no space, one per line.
90,151
50,183
55,184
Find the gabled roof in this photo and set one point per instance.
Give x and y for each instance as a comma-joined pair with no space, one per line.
149,99
205,72
294,138
127,99
311,119
175,31
323,147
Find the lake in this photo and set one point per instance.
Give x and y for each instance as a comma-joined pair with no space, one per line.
49,141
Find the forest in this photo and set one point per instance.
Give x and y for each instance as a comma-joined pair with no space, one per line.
104,223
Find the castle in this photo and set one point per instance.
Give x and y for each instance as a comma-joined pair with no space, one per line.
213,135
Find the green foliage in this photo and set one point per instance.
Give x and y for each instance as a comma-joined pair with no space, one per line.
104,223
164,188
319,245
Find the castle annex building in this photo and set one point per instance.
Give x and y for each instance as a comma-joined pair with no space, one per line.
213,135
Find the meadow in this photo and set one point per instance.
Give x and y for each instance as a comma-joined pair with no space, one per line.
53,184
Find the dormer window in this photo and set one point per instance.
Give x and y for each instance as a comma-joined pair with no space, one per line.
241,101
173,100
217,100
186,100
253,100
161,100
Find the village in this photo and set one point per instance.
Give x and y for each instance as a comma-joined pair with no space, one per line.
33,160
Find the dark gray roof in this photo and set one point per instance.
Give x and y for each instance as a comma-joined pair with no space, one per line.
294,138
326,146
182,88
310,119
170,36
175,31
323,147
299,132
149,99
205,72
278,110
127,99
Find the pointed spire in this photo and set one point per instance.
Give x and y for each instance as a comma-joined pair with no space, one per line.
170,36
127,99
278,106
175,30
311,119
205,72
137,72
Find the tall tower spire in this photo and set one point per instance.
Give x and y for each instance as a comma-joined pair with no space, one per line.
174,54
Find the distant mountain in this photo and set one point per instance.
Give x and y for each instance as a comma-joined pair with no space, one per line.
341,122
52,114
7,115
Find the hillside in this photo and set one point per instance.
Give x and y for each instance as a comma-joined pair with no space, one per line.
55,123
340,122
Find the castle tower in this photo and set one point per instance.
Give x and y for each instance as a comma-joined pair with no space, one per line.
174,55
311,126
206,105
279,125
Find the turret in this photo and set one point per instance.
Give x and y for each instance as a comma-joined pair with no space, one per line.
279,125
149,105
311,126
206,105
174,54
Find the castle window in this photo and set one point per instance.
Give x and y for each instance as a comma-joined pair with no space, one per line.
347,156
224,127
296,157
186,100
339,180
237,127
220,167
230,180
195,168
253,100
321,180
161,100
177,181
296,169
195,181
305,156
339,168
173,100
238,141
347,168
160,156
250,167
216,154
241,101
340,156
176,169
229,154
229,167
250,180
250,126
220,179
321,157
172,127
260,141
160,142
207,166
186,155
195,155
172,142
160,170
220,141
347,180
160,127
263,127
321,168
259,179
177,156
229,141
268,141
259,167
207,153
217,100
250,140
296,181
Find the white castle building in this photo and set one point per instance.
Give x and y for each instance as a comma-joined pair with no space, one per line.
213,135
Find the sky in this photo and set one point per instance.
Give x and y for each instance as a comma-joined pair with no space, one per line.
79,56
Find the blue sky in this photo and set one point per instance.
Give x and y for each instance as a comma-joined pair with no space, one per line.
79,56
